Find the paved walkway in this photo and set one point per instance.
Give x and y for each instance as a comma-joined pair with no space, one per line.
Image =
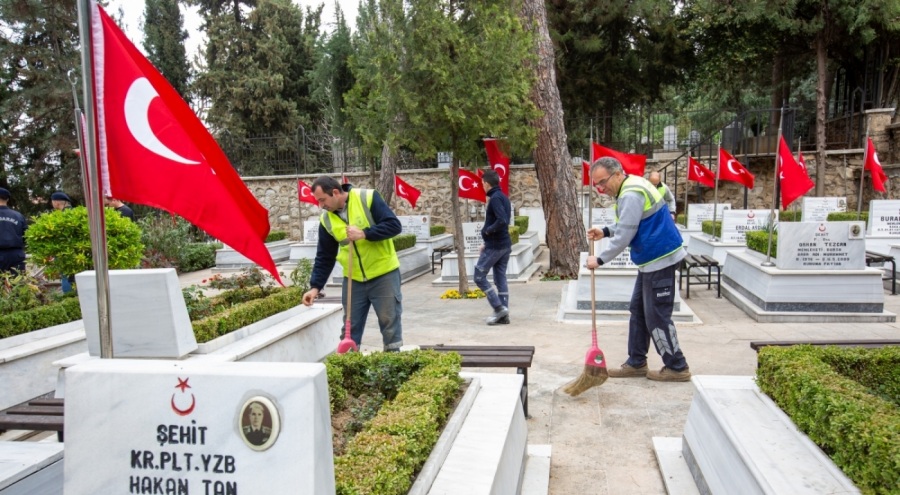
601,441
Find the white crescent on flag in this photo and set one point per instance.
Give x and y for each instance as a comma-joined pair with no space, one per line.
304,191
137,106
698,171
732,168
462,185
501,167
400,190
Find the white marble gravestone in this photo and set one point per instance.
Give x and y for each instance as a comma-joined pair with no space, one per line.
817,209
420,225
697,213
602,217
187,427
821,246
472,236
599,217
148,316
736,223
884,218
311,231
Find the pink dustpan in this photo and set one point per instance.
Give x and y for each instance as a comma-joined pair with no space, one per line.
347,344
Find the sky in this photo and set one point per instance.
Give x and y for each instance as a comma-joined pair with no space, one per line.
134,12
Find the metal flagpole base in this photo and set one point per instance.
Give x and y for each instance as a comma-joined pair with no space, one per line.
767,264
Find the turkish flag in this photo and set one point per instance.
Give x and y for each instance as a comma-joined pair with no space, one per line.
470,186
802,161
406,191
499,162
699,173
154,151
585,173
792,176
732,170
874,165
632,163
304,192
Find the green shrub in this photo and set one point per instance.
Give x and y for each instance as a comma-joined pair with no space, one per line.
45,316
420,388
521,223
856,423
712,228
514,234
848,216
244,314
196,256
404,241
789,216
276,235
163,237
301,274
758,240
681,218
437,230
60,241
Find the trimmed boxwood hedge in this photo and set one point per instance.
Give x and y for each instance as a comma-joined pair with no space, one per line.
758,240
712,228
276,235
848,216
41,317
847,400
437,230
246,313
404,241
522,223
420,387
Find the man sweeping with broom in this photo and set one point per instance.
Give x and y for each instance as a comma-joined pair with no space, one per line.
643,223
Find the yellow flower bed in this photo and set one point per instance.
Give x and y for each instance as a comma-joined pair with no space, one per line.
471,294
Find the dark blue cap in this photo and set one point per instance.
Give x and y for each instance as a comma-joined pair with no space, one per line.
4,194
60,196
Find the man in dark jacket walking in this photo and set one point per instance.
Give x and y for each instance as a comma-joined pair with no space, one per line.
496,249
12,237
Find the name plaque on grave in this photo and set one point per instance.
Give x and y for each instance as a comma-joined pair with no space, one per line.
701,212
821,246
736,223
419,225
603,217
472,240
311,231
184,427
884,218
817,209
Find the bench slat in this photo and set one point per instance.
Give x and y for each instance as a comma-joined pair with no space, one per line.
47,401
24,422
479,347
36,410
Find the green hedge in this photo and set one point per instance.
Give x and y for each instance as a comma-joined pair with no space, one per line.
847,401
420,387
437,230
789,216
758,240
712,228
41,317
521,223
681,218
848,216
514,234
246,313
404,241
276,235
196,256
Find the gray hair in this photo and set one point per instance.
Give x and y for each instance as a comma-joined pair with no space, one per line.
611,165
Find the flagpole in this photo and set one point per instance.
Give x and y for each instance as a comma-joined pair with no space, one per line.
96,220
687,183
716,194
862,173
771,228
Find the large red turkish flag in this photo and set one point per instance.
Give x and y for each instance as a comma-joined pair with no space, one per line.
731,169
585,173
304,193
406,191
699,173
792,176
154,151
633,164
499,162
470,186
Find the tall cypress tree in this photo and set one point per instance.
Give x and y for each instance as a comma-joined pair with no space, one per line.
164,37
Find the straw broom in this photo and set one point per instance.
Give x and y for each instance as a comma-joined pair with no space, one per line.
594,373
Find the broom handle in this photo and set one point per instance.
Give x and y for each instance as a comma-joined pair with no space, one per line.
593,298
349,280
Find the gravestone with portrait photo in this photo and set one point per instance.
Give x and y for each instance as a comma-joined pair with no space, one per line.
418,225
815,209
306,249
736,224
697,213
821,246
135,426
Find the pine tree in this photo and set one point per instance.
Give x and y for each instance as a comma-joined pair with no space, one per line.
164,37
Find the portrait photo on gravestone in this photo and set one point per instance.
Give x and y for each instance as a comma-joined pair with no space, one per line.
259,423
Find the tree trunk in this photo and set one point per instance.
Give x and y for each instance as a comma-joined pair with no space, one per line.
553,165
821,101
777,88
385,184
458,239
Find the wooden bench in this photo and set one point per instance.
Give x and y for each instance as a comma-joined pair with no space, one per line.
39,414
876,258
701,261
494,356
439,260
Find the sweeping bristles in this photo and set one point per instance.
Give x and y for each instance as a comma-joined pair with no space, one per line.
594,373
